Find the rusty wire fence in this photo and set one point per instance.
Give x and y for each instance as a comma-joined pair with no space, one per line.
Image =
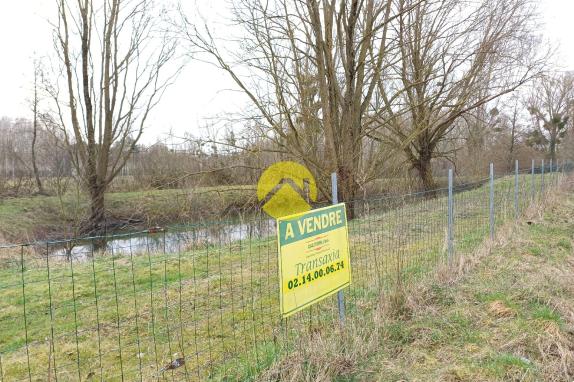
200,302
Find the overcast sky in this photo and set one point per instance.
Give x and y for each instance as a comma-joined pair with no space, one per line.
201,90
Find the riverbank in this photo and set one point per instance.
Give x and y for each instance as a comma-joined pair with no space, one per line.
26,219
32,218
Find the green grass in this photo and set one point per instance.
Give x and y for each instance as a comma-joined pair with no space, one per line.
217,306
565,243
154,288
543,312
499,365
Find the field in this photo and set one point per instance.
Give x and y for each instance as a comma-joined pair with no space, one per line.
209,310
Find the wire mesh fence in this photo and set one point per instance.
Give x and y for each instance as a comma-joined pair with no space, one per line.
201,302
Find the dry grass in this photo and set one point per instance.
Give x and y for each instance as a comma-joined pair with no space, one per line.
507,315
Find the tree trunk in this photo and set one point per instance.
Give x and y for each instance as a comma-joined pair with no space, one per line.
511,155
424,169
553,139
34,136
96,222
347,187
34,165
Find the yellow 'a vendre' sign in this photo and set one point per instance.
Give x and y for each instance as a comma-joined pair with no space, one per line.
314,260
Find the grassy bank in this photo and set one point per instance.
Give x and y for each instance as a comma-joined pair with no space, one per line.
510,318
32,218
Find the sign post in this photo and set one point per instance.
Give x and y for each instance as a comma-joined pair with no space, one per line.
314,259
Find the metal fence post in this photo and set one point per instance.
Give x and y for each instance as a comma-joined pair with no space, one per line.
491,206
340,295
542,179
533,188
551,174
450,220
516,189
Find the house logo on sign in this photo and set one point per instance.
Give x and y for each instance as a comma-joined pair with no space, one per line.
286,188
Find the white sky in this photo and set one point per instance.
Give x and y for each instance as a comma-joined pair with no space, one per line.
201,90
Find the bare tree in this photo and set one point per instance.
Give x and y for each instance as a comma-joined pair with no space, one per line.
513,121
309,69
35,121
550,104
114,58
470,136
453,57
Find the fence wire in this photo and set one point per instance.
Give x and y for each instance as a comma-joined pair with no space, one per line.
201,302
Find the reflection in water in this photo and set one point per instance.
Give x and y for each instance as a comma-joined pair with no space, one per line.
172,241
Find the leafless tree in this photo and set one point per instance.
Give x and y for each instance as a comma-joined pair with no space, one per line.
115,66
35,122
470,136
310,70
550,105
514,129
454,57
